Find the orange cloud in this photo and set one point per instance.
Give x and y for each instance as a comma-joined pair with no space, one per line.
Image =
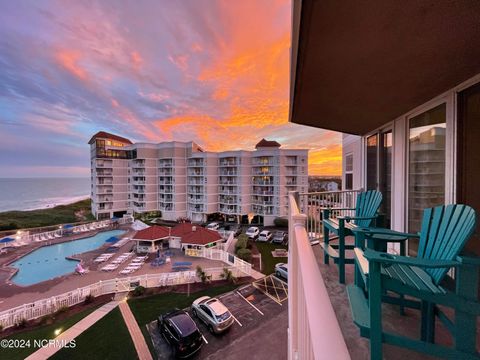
69,60
136,59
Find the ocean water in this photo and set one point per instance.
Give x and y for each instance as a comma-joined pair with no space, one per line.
40,193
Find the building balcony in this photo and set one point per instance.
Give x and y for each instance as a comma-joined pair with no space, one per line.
165,206
165,181
227,173
226,191
195,163
138,164
228,201
195,181
317,301
165,172
104,174
196,208
138,182
268,161
196,199
259,182
195,172
263,192
163,163
228,210
166,189
227,163
138,172
227,182
165,199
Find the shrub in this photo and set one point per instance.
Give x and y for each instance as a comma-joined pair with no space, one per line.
61,310
47,320
88,299
242,242
228,275
21,323
202,275
281,222
244,254
139,291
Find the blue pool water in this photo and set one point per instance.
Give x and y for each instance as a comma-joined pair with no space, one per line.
49,262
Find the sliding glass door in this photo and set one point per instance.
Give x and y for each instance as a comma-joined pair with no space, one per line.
426,165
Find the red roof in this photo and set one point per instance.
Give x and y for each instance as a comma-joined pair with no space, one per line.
200,236
154,232
267,143
105,135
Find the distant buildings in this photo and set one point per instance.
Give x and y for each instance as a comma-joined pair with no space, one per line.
180,179
316,184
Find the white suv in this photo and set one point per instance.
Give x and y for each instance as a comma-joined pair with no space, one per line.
252,232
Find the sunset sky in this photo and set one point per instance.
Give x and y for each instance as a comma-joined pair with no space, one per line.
215,72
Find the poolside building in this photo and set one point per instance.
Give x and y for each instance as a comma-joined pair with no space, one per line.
180,179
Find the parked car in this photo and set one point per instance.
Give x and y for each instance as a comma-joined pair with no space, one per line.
279,237
252,232
265,236
281,270
213,313
181,332
237,229
213,226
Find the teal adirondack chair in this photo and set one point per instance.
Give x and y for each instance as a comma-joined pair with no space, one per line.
444,233
365,212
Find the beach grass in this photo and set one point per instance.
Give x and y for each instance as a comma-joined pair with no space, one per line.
42,333
62,214
107,339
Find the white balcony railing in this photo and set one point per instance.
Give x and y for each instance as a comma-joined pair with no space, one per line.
313,329
313,204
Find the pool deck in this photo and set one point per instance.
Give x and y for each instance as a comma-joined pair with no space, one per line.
12,295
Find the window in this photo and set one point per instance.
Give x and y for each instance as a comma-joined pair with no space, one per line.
426,179
348,171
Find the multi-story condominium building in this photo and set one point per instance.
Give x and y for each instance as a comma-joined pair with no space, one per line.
179,179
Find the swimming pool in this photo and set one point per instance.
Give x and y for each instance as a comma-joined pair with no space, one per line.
48,262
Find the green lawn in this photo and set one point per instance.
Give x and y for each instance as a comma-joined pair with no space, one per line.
45,217
268,261
41,333
149,308
107,339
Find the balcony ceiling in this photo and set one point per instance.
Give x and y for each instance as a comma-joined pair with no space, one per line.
357,64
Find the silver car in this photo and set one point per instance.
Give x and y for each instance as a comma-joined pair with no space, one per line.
213,313
281,270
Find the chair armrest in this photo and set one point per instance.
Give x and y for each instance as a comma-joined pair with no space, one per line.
350,218
469,260
389,259
379,231
338,209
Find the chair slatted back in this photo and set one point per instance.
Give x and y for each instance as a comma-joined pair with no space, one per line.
368,203
445,231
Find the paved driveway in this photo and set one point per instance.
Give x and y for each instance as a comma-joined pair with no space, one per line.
262,334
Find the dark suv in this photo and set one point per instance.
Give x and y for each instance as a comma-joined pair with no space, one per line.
181,332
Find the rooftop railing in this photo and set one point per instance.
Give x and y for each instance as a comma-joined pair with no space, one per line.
313,328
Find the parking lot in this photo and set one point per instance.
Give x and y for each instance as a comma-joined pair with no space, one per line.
259,332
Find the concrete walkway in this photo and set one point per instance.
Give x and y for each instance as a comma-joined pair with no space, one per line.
257,274
72,332
138,340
